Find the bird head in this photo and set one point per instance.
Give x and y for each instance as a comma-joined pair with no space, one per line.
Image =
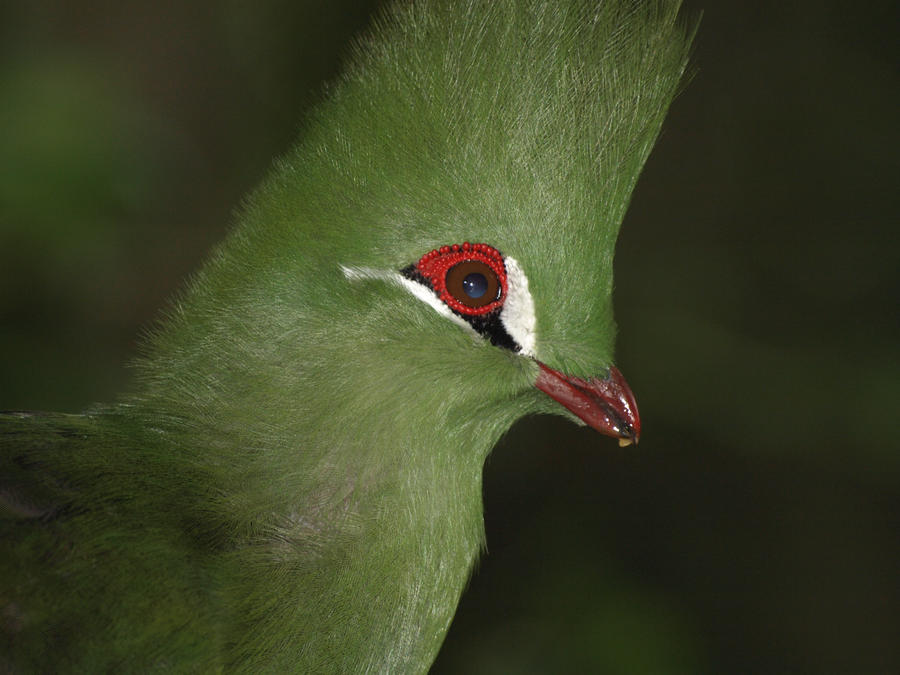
439,245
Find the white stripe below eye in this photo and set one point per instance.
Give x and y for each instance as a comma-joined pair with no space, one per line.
420,291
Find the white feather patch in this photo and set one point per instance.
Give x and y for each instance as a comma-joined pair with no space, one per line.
517,315
421,292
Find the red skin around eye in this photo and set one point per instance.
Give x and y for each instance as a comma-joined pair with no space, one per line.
434,265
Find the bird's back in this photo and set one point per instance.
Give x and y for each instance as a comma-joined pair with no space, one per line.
88,581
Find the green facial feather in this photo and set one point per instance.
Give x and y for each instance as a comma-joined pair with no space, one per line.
294,483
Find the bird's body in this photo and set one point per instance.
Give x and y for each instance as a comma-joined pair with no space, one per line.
295,481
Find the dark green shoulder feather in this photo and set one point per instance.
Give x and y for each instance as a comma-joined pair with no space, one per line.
30,488
91,573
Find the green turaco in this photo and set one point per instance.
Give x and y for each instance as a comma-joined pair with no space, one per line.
293,483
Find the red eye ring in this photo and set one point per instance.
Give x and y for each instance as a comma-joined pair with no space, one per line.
435,265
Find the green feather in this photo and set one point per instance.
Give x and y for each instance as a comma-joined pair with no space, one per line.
294,482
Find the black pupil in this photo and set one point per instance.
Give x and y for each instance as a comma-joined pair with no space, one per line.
475,285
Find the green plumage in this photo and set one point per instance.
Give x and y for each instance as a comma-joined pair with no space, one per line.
294,483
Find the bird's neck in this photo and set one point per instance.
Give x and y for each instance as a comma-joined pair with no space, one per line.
380,521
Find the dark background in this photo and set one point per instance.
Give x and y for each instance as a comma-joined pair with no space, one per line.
757,526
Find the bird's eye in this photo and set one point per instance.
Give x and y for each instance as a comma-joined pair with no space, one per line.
473,283
469,278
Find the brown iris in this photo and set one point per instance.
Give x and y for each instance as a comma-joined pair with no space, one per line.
473,283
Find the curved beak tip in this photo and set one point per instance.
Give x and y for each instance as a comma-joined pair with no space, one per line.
605,404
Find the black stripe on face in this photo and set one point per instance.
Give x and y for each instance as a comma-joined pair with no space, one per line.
489,325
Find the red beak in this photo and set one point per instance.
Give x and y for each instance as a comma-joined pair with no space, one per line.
606,405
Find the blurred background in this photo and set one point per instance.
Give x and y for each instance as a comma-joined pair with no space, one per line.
756,529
